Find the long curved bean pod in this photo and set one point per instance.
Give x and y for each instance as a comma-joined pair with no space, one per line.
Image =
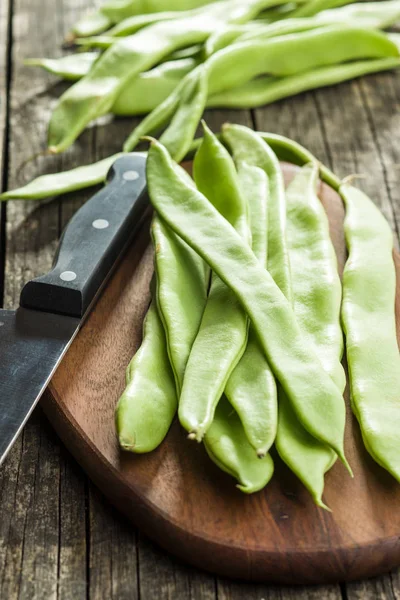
316,399
71,67
224,325
148,404
369,288
192,98
317,300
258,411
227,446
61,183
251,388
181,275
248,147
265,90
292,54
280,56
95,93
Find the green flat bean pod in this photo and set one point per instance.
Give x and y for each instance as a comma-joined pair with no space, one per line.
317,301
265,90
368,14
91,24
317,401
71,67
148,404
102,42
251,388
222,336
182,282
189,111
291,54
369,289
95,93
227,446
61,183
248,147
259,412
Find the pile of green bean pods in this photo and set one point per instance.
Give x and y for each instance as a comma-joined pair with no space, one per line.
243,339
170,61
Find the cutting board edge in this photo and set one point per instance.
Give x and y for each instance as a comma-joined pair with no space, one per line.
300,568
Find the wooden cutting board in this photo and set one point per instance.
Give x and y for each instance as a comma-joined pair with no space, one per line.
178,497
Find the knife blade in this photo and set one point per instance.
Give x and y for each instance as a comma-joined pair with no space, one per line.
35,337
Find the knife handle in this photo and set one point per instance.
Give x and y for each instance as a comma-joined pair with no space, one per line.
92,242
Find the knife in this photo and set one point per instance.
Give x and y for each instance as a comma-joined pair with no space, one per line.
35,337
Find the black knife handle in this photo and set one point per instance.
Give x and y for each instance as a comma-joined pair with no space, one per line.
92,241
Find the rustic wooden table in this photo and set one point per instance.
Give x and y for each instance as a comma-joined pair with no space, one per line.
59,538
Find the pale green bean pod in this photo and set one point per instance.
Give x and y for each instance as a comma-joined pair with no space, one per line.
222,336
148,404
369,291
182,282
227,445
317,301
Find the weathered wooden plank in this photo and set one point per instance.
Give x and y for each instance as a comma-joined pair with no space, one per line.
231,590
380,95
5,21
380,588
4,74
113,554
39,552
72,546
162,576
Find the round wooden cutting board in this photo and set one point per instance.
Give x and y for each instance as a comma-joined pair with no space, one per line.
179,498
